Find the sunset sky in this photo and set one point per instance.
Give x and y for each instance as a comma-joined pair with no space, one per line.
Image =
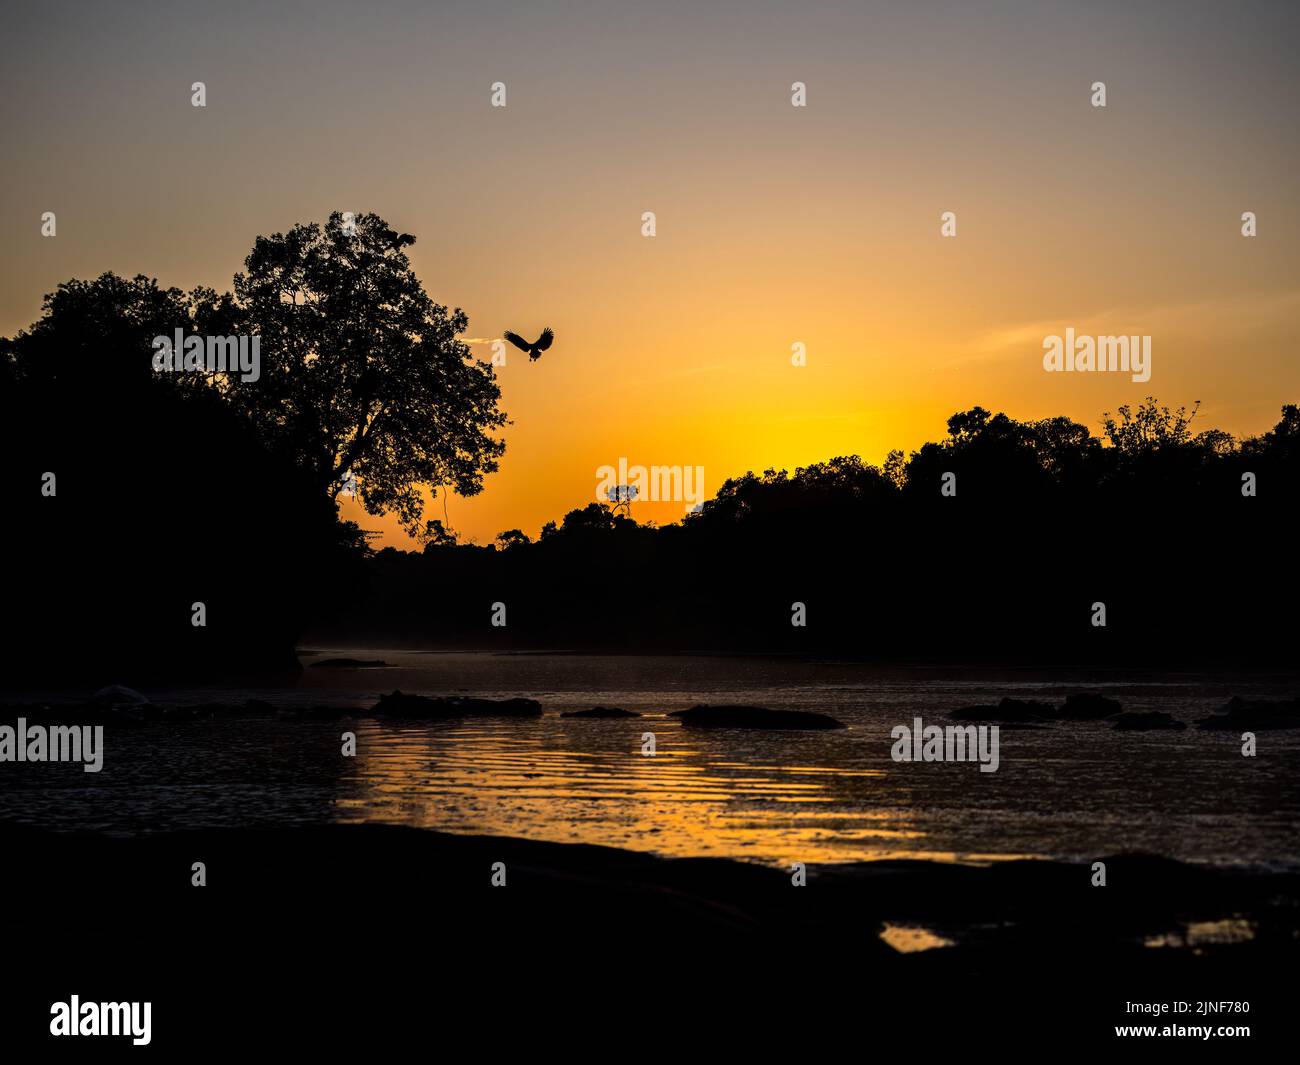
776,224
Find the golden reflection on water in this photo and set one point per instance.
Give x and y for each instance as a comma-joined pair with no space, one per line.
689,799
1197,934
909,939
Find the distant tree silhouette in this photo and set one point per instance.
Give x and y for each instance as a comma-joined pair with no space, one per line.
437,535
1282,442
511,538
1047,518
1151,426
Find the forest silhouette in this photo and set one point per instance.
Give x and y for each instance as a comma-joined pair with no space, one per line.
177,488
1046,521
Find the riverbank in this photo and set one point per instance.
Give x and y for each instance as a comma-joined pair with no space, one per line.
301,912
1010,905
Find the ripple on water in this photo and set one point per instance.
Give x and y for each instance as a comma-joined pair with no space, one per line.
1074,790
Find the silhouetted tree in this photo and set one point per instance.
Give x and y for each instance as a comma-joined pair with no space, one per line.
362,372
437,535
94,338
1150,426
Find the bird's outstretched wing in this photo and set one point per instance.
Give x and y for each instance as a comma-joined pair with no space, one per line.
544,341
517,340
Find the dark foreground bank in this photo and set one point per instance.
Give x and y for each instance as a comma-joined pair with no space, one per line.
380,936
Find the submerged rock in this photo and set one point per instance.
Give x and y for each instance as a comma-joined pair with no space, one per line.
601,712
1014,711
1088,706
117,695
118,705
319,712
1254,715
1155,719
1082,706
399,704
754,717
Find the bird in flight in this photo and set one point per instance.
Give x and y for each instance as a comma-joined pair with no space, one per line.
534,349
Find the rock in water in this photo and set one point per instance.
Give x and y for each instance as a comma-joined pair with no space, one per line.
601,711
1254,715
1146,722
1014,711
1088,706
117,695
754,717
420,706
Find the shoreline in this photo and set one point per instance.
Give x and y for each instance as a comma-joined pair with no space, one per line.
312,926
958,897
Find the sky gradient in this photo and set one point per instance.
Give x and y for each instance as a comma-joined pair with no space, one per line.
776,224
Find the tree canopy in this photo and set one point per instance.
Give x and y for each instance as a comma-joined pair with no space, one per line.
362,372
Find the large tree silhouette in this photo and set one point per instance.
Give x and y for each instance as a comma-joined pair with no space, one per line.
362,373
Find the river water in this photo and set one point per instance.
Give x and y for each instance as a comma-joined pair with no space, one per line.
1072,790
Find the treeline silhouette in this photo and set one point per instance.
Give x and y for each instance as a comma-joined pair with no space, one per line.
1187,538
139,493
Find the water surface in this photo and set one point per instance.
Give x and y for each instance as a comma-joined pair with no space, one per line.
1074,790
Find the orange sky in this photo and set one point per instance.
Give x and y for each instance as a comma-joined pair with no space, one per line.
776,225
